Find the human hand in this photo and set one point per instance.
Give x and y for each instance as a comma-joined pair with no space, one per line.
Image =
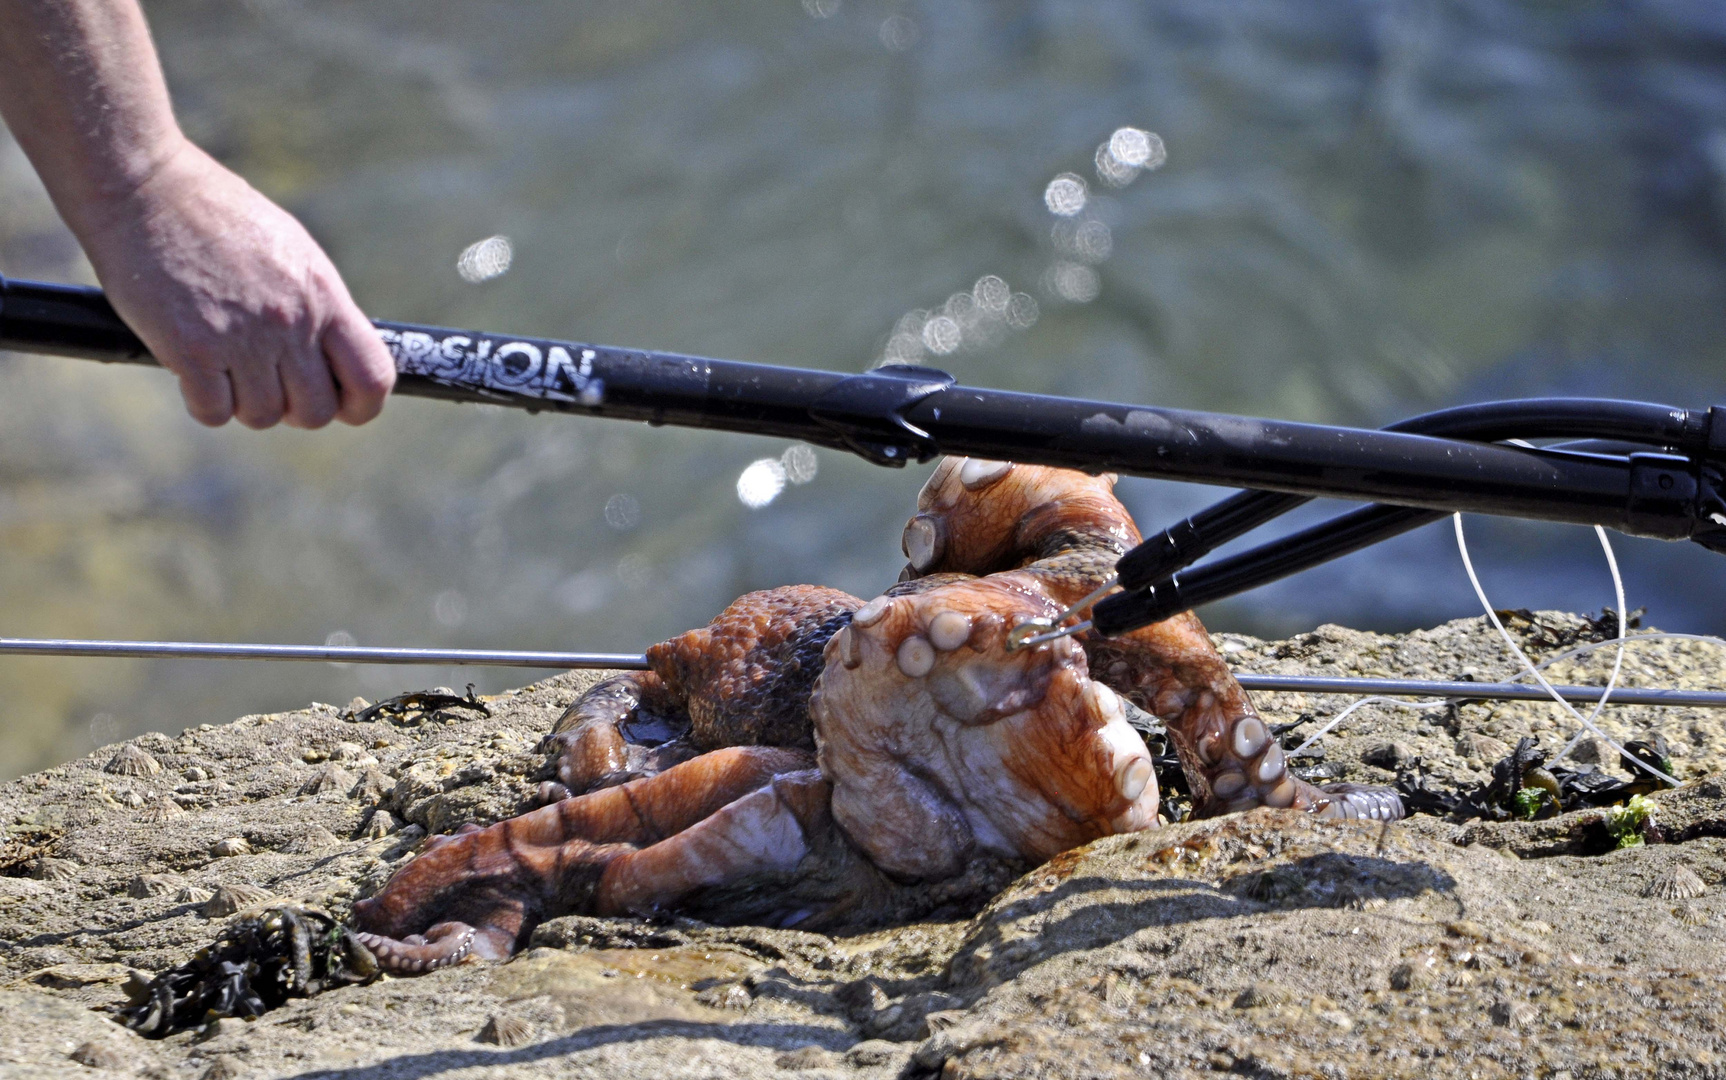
234,296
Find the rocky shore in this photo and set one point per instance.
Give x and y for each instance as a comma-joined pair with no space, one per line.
1265,944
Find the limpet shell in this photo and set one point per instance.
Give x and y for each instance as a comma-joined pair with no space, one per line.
229,899
160,810
331,777
1690,914
48,868
100,1055
1678,883
379,825
371,787
147,885
222,1067
506,1030
133,760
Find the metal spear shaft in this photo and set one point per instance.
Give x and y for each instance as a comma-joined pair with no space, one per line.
361,654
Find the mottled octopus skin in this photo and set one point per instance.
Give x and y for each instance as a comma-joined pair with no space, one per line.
1064,531
742,680
809,759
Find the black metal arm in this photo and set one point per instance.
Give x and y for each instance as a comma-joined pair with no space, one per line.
1157,585
1141,605
1692,433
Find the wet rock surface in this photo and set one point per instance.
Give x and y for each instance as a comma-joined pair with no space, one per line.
1267,944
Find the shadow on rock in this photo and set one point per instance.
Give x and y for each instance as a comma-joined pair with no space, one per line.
415,1066
1211,870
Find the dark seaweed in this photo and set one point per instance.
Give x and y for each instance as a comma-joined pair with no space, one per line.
417,705
1521,785
258,964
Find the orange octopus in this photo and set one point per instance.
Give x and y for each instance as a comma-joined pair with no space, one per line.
808,759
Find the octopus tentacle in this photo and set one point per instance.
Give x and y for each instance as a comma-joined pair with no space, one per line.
763,832
440,946
503,879
1360,802
940,741
981,517
1231,761
1064,531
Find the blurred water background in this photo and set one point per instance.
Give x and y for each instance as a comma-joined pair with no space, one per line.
1368,209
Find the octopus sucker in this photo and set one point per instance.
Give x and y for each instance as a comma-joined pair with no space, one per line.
440,946
978,473
949,629
808,758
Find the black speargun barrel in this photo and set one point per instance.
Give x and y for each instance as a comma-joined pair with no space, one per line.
900,413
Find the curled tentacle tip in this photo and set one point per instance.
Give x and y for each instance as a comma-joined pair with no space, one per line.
446,945
552,792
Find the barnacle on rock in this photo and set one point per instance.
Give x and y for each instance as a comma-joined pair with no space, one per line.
233,845
230,899
1678,883
1690,914
132,760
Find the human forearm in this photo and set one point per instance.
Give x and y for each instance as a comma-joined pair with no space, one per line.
225,287
83,93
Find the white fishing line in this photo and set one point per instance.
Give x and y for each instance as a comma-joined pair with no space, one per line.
1638,639
1533,670
1617,661
1341,716
1595,645
1586,721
